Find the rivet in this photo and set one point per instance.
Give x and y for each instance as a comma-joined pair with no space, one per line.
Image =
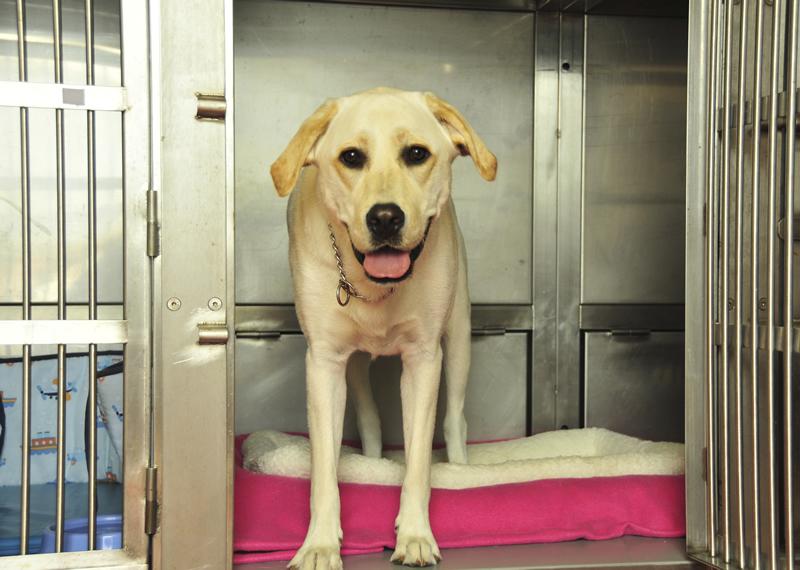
173,303
762,303
215,303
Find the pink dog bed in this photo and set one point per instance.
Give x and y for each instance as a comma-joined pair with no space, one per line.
513,497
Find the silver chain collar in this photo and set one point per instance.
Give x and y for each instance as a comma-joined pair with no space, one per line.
345,289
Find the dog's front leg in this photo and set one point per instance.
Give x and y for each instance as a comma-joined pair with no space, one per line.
326,393
419,387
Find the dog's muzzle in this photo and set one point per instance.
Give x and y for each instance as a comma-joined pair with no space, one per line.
388,264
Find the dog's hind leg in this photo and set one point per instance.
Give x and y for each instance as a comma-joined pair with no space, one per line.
457,349
367,418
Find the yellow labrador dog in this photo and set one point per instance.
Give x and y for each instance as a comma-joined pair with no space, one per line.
379,268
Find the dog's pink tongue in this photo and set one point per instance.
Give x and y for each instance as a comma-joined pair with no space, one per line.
387,264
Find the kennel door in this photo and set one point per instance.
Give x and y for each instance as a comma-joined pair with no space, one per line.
74,285
742,312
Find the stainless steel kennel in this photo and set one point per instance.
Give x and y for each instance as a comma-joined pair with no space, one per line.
633,255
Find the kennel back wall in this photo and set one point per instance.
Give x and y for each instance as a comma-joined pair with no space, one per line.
74,113
575,252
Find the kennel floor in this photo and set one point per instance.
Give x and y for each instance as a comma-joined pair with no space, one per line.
627,552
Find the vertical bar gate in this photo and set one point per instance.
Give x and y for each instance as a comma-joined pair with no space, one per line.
94,293
744,91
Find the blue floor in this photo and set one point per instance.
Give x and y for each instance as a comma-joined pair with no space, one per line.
42,510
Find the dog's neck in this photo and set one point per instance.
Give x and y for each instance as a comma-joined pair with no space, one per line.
353,286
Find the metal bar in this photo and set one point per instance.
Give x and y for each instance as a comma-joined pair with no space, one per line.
92,297
739,282
25,472
137,61
120,559
62,289
791,110
754,298
251,319
711,349
772,548
67,332
724,277
62,96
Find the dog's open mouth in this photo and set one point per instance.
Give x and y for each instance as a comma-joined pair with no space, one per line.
388,264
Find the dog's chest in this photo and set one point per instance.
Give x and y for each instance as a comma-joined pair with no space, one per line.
385,337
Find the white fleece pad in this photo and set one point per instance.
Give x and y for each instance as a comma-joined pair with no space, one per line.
577,453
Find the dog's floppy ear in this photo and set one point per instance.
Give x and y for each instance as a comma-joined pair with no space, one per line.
463,136
286,168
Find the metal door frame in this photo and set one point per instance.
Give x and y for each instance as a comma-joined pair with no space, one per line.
193,298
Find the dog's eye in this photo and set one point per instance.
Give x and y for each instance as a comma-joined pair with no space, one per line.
416,154
352,158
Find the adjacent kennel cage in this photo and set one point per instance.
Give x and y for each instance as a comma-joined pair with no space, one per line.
141,219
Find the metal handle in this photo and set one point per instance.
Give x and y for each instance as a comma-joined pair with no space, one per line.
211,107
212,333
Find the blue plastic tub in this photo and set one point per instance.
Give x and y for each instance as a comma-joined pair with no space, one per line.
76,534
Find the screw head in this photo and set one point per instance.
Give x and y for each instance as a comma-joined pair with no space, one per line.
215,303
173,303
762,303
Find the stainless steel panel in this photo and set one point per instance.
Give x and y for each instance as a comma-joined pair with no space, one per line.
194,415
545,226
270,389
634,180
290,56
634,384
632,317
558,109
571,142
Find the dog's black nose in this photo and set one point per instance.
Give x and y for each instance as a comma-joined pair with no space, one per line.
385,221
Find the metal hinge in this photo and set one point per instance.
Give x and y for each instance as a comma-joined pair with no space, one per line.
153,229
151,501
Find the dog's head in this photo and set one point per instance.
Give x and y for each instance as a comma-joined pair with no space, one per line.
383,158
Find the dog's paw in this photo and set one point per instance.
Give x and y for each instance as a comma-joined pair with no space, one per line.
317,558
416,550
